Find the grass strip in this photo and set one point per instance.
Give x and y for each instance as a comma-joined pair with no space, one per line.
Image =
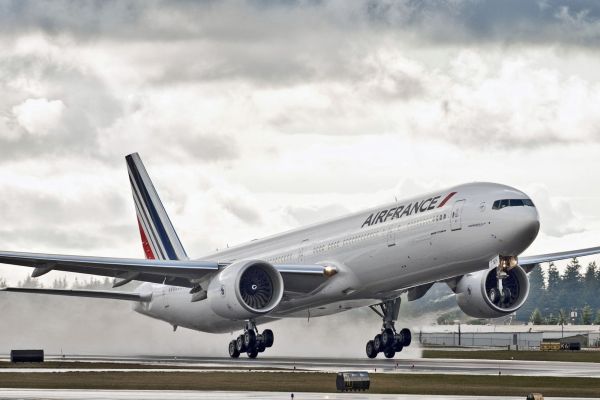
306,382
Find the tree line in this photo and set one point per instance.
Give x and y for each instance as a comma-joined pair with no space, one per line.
570,297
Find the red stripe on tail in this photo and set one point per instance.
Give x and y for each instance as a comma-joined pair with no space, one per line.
145,244
446,199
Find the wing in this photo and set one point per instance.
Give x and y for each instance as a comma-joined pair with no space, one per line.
185,273
99,294
529,262
172,272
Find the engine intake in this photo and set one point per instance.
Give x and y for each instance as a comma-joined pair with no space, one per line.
480,296
245,289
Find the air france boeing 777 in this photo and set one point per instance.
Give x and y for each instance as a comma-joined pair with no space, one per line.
468,236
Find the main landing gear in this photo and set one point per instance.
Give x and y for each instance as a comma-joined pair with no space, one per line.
251,342
388,342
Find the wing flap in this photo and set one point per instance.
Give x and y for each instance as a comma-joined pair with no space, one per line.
99,294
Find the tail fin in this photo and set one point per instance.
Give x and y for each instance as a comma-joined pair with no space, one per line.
159,239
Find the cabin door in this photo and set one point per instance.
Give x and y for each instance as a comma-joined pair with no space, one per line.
455,217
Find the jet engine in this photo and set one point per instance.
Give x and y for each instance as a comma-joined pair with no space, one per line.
245,289
483,295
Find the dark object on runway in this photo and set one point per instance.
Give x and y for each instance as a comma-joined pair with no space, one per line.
26,356
535,396
353,380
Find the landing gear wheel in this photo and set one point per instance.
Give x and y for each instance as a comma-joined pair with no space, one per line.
387,338
388,341
371,353
406,337
494,295
506,296
241,347
377,344
397,347
233,351
252,353
268,337
249,339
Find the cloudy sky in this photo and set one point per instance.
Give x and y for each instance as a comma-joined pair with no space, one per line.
253,117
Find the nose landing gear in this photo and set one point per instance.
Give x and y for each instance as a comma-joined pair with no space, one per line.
389,341
251,342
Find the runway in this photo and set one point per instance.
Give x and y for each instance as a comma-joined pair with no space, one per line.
421,366
60,394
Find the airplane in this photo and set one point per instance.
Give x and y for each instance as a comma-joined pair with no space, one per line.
469,236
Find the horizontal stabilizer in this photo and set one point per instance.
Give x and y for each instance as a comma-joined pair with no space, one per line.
99,294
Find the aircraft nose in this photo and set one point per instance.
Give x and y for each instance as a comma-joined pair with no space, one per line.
526,227
529,225
520,228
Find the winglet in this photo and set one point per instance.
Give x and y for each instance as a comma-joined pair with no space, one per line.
159,239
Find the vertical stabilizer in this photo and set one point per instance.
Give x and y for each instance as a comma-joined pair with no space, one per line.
159,239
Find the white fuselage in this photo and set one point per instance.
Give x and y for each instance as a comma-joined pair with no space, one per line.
379,253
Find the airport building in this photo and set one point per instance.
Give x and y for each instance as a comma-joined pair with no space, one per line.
516,336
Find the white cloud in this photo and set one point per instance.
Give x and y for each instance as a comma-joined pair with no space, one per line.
557,217
39,117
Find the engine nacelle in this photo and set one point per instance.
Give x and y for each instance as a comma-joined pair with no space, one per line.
245,289
477,294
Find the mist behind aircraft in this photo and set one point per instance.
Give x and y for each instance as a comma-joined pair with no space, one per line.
109,327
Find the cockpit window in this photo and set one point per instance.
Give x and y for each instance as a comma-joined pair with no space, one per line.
500,204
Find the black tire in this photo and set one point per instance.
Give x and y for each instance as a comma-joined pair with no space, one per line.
249,339
268,337
397,347
406,337
494,295
233,351
252,353
387,338
371,353
377,344
389,353
506,295
260,346
241,347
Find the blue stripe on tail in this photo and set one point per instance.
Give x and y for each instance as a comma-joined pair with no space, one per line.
142,194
